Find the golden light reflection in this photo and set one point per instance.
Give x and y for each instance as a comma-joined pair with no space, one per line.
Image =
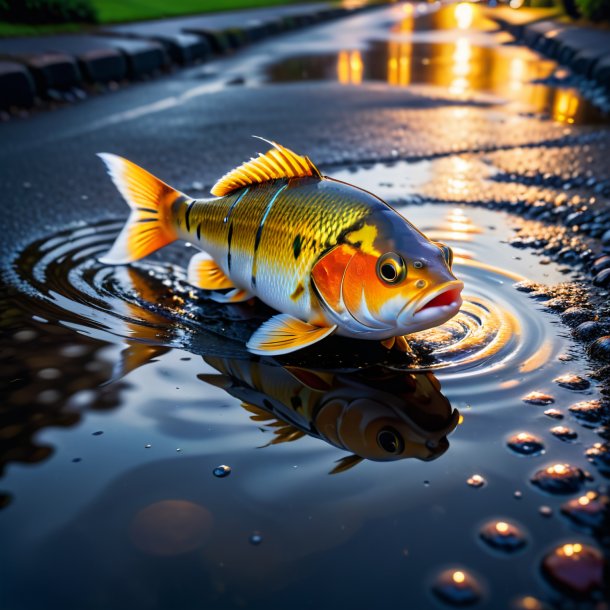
459,577
350,68
569,550
461,66
565,106
557,469
584,500
399,63
464,15
536,360
502,527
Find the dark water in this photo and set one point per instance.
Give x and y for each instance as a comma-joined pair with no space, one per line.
357,478
455,49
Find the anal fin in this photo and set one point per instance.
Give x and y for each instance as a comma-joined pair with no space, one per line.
283,334
204,272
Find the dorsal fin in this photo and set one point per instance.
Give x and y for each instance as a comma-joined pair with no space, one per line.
279,162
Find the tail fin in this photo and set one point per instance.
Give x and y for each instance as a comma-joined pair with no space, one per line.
149,225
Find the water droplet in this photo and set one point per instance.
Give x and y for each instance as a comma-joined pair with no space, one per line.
222,471
528,603
457,587
256,538
178,449
49,373
476,480
426,483
76,460
572,382
97,433
588,411
503,536
147,446
546,511
575,568
538,398
564,433
559,479
518,495
525,443
554,413
589,510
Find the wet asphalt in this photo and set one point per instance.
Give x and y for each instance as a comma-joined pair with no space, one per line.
191,126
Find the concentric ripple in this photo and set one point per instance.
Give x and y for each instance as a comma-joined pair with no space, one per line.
150,302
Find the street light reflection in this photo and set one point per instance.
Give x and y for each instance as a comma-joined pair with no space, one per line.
350,68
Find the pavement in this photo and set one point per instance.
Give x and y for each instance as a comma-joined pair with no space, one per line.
585,49
64,66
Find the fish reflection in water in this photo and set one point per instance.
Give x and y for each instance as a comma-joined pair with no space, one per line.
374,413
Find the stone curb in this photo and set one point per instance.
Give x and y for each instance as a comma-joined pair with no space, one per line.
132,51
585,50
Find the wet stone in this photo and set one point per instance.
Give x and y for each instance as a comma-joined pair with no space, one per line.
589,511
538,398
601,263
588,411
572,382
573,316
557,304
527,286
503,536
588,331
576,569
602,279
554,413
600,349
559,479
457,588
222,471
599,456
525,443
563,433
476,481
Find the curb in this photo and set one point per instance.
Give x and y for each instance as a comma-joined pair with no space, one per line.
44,67
585,50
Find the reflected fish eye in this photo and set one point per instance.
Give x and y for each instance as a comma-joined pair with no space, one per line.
391,268
390,441
447,254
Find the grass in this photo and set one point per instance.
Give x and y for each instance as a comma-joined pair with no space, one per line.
118,11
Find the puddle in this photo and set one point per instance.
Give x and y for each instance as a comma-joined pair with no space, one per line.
349,466
456,49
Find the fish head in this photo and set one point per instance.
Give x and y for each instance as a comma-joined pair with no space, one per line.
388,279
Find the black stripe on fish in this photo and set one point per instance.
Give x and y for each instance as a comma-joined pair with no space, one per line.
259,231
147,220
297,245
148,210
232,206
199,231
187,215
229,239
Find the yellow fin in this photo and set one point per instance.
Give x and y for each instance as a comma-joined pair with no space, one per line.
149,226
204,272
283,334
237,295
279,162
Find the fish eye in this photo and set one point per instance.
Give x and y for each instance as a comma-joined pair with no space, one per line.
391,268
447,253
390,441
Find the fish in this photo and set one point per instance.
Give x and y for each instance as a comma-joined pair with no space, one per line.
373,413
330,257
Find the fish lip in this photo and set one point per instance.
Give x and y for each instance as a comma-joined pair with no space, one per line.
448,286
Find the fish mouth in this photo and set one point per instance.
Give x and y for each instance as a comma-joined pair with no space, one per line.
444,302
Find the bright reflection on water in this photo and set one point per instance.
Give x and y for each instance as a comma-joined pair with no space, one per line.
454,48
349,464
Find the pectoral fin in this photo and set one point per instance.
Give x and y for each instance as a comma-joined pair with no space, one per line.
283,334
204,272
233,296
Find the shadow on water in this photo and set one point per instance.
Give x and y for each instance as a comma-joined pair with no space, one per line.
456,49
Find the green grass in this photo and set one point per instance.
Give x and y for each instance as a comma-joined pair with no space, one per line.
115,11
118,11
